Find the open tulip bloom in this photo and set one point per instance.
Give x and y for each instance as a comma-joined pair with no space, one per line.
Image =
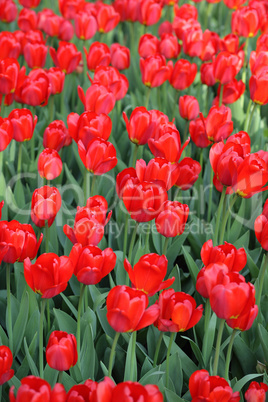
133,200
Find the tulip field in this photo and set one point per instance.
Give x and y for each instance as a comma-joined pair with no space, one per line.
133,200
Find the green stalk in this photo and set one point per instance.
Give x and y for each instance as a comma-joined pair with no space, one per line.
218,347
201,160
210,196
147,97
186,129
132,241
225,218
133,356
247,114
32,139
158,348
125,237
112,354
48,316
3,106
84,68
93,185
228,356
46,238
78,333
261,279
86,185
41,326
51,108
60,377
165,247
219,214
134,158
206,334
9,315
244,73
221,95
19,158
251,116
171,340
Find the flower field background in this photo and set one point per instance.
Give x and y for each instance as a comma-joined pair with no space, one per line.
133,187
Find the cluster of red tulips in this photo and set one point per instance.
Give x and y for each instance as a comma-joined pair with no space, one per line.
76,118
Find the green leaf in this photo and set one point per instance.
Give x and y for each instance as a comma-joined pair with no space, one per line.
51,375
240,384
152,376
65,322
263,335
21,322
88,354
210,336
238,223
104,369
24,367
131,364
196,350
31,363
172,397
193,268
175,248
69,304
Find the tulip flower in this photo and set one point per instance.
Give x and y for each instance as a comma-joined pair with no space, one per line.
154,70
82,391
34,89
210,276
114,81
231,92
9,45
49,164
91,125
169,46
66,57
148,46
122,179
98,99
197,130
46,203
148,393
149,12
127,309
99,156
256,392
107,18
225,67
55,135
188,174
202,386
98,55
120,56
188,107
127,9
17,241
56,79
178,311
29,3
49,275
218,123
91,264
148,273
234,258
206,74
140,126
6,359
9,71
6,133
183,74
258,85
27,20
8,11
68,8
35,55
1,206
245,22
61,351
261,227
32,388
85,25
23,124
157,170
172,219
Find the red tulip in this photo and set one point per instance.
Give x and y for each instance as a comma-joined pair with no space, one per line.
83,391
245,22
225,67
49,22
165,27
99,156
218,123
148,45
149,12
17,241
111,78
9,71
6,359
61,351
91,264
66,30
49,164
148,273
231,91
172,219
188,107
67,57
35,54
122,179
23,124
89,222
1,206
9,45
127,309
55,135
178,311
98,55
34,388
27,20
189,173
49,275
68,8
181,26
183,74
29,3
197,130
210,276
46,203
8,11
157,170
136,391
234,258
256,392
127,9
56,79
202,386
85,25
34,89
120,56
98,99
140,126
258,86
107,17
154,70
169,46
206,74
192,38
91,125
6,133
261,227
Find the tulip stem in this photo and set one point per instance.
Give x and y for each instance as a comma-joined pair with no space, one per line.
147,97
261,279
3,106
93,185
78,333
9,315
125,237
225,218
244,73
158,348
112,354
32,139
165,247
171,340
206,333
186,129
132,241
228,355
60,377
218,347
19,158
48,316
219,214
210,195
51,108
47,238
133,356
251,116
41,326
86,185
247,115
134,158
221,95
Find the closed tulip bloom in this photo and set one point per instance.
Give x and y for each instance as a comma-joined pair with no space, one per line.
169,46
34,89
210,276
192,41
258,86
154,70
258,61
231,91
197,130
8,11
182,26
82,391
225,67
186,11
91,125
206,74
136,391
56,79
218,123
202,386
107,18
183,74
256,392
46,203
85,25
140,126
33,388
189,173
49,164
143,200
66,30
23,124
6,360
49,275
114,81
30,3
245,22
127,9
66,57
98,99
68,8
165,27
91,264
9,45
148,45
178,311
188,107
27,20
261,227
123,177
234,258
9,71
120,56
99,156
98,55
148,273
61,351
17,241
6,133
55,135
157,170
35,54
127,309
172,219
149,12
